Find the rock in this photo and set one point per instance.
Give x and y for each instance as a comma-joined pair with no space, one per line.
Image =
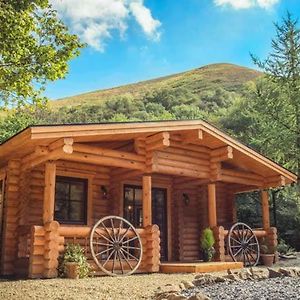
245,274
232,277
199,296
290,272
258,274
273,273
175,296
166,291
187,284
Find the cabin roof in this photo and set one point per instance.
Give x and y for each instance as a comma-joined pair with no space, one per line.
25,141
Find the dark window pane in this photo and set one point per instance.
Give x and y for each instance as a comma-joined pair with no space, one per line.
70,200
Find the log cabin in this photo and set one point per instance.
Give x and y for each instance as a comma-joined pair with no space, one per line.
170,179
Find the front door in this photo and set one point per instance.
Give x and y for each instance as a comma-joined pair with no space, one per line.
133,212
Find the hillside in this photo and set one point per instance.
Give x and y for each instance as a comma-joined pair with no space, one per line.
208,78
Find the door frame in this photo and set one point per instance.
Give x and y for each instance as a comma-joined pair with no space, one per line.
168,188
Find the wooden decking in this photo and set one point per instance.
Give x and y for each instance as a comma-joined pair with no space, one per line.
198,267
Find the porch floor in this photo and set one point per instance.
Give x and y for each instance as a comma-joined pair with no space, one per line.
198,267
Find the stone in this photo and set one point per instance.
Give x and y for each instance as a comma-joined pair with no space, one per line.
273,273
232,277
187,284
258,274
289,272
199,296
165,291
245,274
175,296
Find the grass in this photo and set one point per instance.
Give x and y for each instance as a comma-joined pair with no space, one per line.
228,76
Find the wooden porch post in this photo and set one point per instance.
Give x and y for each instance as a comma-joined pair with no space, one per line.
147,200
49,192
212,207
265,210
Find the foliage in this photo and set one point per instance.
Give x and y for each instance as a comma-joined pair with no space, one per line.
75,253
284,248
207,243
35,47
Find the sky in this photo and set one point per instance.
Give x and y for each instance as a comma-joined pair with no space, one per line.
134,40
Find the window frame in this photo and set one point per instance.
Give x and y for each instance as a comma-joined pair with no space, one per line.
69,180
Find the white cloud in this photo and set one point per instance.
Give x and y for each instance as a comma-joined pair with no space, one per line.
95,20
244,4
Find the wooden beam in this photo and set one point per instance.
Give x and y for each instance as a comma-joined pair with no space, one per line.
265,210
212,206
275,181
147,200
83,148
192,136
65,143
104,160
221,154
36,160
157,141
49,192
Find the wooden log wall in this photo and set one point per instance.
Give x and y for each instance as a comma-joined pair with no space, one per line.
182,160
11,218
186,224
98,176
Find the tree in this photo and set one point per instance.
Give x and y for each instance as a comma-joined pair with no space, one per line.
35,47
276,106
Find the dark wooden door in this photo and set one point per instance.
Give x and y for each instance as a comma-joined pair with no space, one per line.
159,217
133,212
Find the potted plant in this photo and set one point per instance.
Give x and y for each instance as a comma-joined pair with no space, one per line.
267,253
207,244
73,263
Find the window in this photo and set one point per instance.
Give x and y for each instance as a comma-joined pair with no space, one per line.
71,200
133,208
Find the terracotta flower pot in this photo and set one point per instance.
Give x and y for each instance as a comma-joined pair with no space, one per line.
72,270
268,259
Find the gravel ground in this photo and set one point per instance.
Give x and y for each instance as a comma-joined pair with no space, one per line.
270,289
104,288
143,287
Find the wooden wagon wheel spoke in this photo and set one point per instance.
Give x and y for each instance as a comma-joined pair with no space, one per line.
129,254
104,237
131,247
243,244
127,261
132,239
109,256
120,261
116,234
110,236
104,251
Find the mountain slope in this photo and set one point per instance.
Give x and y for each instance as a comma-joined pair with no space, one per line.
230,77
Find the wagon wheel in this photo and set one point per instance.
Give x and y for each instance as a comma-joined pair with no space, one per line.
116,246
243,244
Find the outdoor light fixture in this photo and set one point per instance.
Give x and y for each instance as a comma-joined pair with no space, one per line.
186,199
104,191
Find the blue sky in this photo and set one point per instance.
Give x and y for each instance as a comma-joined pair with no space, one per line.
135,40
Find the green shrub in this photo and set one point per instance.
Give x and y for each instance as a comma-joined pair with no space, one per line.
207,244
74,253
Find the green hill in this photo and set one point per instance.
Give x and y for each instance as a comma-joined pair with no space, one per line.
229,77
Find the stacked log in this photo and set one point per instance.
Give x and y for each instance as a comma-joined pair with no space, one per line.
219,235
37,251
51,251
10,224
151,249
